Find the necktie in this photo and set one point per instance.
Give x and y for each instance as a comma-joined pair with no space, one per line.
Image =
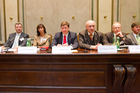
138,39
64,39
91,36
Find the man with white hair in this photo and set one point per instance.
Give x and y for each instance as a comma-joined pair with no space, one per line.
116,32
90,38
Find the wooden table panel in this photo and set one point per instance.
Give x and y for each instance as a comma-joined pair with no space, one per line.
68,73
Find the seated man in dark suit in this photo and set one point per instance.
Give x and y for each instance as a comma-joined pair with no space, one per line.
65,37
134,37
116,33
18,38
90,38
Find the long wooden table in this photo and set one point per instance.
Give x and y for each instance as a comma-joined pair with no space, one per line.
82,72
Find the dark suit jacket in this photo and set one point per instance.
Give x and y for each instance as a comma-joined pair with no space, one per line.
72,39
131,40
110,35
22,40
86,42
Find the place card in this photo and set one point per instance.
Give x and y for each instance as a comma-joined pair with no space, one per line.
27,50
0,49
134,48
61,49
107,49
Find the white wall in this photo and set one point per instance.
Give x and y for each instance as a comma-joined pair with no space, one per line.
2,29
52,12
129,13
11,15
0,21
105,15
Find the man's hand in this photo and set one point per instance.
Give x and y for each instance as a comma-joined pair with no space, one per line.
59,45
65,44
119,34
96,46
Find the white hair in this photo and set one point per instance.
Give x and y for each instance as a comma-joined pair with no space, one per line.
90,21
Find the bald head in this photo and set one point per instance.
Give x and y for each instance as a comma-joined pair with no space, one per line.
90,22
116,27
90,26
116,24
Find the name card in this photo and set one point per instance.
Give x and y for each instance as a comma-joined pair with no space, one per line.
134,48
61,49
107,49
0,49
27,50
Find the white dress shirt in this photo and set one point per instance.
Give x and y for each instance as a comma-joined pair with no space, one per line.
16,44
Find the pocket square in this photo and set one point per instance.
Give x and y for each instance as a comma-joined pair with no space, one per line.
21,39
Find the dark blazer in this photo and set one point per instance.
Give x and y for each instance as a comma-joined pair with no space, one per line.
72,39
110,35
86,42
131,40
22,40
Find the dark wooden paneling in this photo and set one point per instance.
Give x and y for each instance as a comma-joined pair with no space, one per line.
53,90
136,85
70,73
53,78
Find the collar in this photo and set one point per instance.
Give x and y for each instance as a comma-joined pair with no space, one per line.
114,34
65,35
135,35
18,34
92,33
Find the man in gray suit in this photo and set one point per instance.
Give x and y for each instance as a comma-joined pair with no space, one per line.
90,38
116,32
134,37
65,37
18,38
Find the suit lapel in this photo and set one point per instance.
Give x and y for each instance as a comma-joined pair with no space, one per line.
87,38
13,38
38,40
61,38
96,38
20,38
133,39
69,38
111,37
21,35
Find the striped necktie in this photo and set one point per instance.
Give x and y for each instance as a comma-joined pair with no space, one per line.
91,36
